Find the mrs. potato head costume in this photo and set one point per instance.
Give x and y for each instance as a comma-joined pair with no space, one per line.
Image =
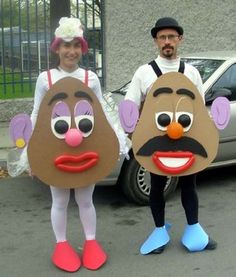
72,144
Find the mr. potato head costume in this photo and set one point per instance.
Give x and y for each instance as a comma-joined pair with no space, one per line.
175,136
72,146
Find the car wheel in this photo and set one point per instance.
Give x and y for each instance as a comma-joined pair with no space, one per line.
135,182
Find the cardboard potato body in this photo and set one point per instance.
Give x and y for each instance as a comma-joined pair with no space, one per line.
44,147
202,137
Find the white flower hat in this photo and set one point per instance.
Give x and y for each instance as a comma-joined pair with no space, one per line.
69,28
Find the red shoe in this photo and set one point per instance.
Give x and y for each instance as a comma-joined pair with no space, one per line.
65,257
93,255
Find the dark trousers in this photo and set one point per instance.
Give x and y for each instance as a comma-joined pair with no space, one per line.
189,198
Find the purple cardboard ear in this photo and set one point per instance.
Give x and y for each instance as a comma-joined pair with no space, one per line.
220,111
129,114
20,130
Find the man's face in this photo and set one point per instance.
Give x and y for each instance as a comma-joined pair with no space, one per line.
167,41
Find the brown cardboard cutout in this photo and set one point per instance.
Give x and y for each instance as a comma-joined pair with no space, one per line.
45,148
163,146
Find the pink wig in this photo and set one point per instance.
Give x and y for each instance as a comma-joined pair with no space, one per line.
56,42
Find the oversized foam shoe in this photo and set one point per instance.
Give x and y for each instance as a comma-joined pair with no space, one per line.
65,257
156,241
195,238
93,255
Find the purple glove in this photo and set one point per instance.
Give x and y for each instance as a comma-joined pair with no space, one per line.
129,114
220,111
20,130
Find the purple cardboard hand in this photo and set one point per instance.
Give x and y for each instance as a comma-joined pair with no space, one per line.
20,130
220,111
129,114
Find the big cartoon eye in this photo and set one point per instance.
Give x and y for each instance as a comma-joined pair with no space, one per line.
185,119
60,126
85,124
60,120
84,118
163,119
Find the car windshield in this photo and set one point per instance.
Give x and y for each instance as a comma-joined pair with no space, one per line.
206,67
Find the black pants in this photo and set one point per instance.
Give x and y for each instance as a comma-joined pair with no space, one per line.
189,198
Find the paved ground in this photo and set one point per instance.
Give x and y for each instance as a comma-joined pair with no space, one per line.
26,239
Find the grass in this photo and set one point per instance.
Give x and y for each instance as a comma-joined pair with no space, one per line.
15,84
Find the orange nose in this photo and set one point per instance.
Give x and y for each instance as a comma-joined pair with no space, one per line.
175,130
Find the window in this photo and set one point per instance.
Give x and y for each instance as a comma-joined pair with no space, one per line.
227,81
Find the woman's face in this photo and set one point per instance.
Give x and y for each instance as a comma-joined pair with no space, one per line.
69,54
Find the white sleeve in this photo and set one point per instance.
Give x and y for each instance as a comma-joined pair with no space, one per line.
193,74
199,85
134,92
94,84
41,88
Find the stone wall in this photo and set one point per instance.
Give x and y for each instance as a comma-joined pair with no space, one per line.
11,107
208,25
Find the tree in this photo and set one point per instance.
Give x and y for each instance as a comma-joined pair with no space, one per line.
8,14
58,11
30,15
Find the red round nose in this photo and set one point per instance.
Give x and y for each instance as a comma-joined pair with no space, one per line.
73,137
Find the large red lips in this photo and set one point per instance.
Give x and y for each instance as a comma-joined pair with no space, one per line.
75,164
173,162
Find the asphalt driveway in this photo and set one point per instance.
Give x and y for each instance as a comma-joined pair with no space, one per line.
26,238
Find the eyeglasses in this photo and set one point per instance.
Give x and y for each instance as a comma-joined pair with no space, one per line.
169,37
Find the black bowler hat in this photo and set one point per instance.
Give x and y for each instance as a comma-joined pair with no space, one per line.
166,23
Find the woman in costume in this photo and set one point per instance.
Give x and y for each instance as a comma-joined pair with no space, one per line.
60,92
69,44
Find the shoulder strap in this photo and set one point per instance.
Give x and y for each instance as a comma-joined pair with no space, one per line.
86,78
181,67
156,68
158,71
49,79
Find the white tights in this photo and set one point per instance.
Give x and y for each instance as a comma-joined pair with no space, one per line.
84,199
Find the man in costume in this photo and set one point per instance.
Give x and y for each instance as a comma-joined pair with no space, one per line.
172,122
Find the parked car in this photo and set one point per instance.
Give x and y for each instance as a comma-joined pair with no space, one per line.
218,72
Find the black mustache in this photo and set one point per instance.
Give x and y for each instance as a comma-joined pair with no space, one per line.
164,143
167,47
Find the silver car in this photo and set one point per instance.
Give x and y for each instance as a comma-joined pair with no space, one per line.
218,72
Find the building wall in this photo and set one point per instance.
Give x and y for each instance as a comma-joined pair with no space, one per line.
208,25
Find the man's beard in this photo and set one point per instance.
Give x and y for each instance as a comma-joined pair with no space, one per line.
169,53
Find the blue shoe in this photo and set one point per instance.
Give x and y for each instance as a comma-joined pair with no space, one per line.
156,242
196,239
